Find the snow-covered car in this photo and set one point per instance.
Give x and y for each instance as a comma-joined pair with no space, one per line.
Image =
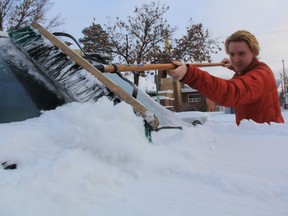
193,117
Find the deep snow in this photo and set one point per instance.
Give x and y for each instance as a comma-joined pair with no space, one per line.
94,159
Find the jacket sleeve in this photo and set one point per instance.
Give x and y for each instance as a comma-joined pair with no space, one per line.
237,91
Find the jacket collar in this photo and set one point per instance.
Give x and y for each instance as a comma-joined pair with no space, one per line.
253,64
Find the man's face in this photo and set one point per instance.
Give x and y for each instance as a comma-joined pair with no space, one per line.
240,55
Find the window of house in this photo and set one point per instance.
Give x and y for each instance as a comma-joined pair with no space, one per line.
194,98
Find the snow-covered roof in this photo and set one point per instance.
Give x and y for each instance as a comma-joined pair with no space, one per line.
186,88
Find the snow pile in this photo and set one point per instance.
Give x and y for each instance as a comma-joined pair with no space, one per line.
94,159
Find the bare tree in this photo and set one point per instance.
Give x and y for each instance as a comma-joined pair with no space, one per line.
146,37
5,10
141,36
19,13
196,45
139,39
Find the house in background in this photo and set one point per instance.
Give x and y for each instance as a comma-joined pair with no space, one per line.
179,97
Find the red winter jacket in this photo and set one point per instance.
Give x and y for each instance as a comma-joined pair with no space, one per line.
253,94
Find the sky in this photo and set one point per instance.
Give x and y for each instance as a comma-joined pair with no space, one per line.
94,159
266,19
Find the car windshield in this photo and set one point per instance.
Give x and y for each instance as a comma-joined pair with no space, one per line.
22,95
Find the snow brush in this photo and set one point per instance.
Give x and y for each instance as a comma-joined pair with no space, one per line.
78,79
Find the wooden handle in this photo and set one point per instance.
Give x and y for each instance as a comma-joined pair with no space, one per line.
145,67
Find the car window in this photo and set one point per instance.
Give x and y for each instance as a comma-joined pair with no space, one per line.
22,96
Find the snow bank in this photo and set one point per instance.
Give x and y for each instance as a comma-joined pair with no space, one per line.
94,159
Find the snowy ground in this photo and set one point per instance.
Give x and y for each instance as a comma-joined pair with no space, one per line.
94,159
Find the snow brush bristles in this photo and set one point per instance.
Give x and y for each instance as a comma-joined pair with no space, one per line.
68,76
74,76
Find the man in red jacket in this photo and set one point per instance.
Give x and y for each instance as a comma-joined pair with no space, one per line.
252,90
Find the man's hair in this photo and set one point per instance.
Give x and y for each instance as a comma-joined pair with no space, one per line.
245,36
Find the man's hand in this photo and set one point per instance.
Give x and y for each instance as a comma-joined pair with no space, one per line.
226,62
179,72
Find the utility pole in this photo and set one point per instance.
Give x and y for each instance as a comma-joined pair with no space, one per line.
284,79
157,85
285,90
177,92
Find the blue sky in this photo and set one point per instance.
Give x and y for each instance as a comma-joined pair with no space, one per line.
268,20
